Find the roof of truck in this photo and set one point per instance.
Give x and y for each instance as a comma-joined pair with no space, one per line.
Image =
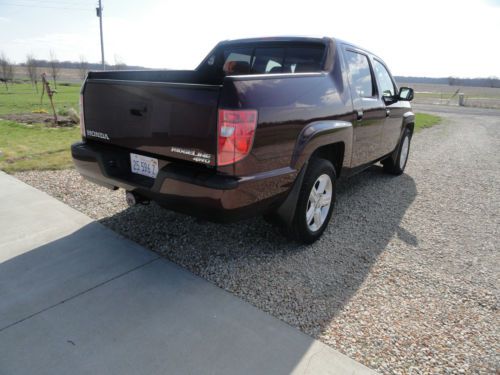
279,39
294,38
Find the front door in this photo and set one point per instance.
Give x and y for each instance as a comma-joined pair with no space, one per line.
368,107
394,121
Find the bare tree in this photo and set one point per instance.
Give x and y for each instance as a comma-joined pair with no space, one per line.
493,81
83,67
10,73
32,68
5,70
54,68
119,64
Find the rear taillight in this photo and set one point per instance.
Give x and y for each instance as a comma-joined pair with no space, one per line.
236,130
82,121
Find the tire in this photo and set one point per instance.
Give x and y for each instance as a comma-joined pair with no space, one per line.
306,227
397,167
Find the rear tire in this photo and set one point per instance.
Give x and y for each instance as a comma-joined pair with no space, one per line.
315,202
397,167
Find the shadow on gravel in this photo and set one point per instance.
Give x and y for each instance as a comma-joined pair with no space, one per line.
303,285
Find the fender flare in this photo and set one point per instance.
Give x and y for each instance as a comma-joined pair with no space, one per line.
322,133
313,136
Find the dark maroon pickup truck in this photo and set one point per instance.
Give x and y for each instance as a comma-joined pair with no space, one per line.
262,126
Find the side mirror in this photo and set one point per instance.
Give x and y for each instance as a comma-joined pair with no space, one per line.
405,93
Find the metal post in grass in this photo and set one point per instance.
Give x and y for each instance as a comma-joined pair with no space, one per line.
50,94
99,14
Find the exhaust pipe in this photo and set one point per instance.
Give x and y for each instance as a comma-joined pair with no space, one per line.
130,198
133,199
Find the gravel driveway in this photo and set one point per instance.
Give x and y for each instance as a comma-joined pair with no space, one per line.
405,279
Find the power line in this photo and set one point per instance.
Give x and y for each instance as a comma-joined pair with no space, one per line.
47,7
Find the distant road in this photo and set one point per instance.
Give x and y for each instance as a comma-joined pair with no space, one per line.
455,109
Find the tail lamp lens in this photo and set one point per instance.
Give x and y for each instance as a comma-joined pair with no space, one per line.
236,130
82,121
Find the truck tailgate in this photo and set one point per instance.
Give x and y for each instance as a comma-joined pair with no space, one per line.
172,120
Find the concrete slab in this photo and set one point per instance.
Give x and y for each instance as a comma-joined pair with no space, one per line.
161,319
29,218
92,302
80,254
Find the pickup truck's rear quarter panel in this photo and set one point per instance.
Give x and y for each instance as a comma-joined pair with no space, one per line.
285,104
154,117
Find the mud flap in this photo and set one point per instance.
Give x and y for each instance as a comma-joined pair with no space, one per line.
286,211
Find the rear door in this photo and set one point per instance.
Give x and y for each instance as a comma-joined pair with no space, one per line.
368,106
163,119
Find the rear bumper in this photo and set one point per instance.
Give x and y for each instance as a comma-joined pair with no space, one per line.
184,188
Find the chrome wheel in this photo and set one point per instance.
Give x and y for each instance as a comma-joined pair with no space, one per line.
320,199
405,148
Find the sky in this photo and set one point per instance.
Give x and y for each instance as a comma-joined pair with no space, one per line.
434,38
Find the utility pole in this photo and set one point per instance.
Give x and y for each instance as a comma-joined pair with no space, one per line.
99,14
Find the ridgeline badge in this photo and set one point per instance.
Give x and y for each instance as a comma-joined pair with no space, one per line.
198,156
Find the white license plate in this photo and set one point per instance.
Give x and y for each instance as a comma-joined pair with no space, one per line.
144,165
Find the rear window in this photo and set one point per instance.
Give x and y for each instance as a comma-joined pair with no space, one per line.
261,59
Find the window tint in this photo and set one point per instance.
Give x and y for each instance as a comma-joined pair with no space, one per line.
262,60
267,59
237,61
384,79
360,76
303,59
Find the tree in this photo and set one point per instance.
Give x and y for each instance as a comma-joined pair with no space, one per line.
493,81
32,69
6,70
54,68
83,67
119,64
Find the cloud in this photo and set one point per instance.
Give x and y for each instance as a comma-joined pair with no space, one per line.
4,19
495,3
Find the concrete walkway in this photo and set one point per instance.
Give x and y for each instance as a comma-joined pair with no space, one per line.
76,298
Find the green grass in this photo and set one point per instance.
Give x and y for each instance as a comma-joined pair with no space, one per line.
35,147
22,98
425,120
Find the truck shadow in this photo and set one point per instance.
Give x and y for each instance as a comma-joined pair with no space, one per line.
305,286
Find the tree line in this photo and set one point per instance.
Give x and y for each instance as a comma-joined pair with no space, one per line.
453,81
32,67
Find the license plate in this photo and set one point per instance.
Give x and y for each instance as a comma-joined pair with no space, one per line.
144,165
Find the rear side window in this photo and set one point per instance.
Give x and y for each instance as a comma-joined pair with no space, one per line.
360,76
384,79
269,60
237,61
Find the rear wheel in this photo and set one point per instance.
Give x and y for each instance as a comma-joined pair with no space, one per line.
397,166
315,203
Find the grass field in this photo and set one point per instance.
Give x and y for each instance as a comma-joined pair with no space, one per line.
425,120
37,146
22,98
41,147
29,147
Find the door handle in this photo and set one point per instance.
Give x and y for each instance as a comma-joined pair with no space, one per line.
139,111
387,112
359,114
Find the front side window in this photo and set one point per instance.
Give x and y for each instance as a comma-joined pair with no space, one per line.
360,76
384,79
